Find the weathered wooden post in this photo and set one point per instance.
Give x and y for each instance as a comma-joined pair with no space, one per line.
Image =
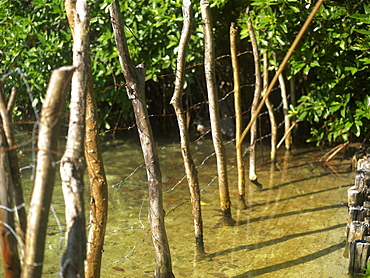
135,79
238,116
94,167
6,115
72,164
52,110
8,243
209,68
256,99
176,101
357,248
359,254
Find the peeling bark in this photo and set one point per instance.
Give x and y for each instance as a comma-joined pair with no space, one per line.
135,86
95,170
72,164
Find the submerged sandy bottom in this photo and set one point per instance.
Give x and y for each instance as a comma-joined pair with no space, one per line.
294,226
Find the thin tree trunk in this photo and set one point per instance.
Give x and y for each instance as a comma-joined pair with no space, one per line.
6,115
98,189
209,67
288,137
256,98
95,169
73,161
293,92
8,243
293,99
51,113
270,108
176,101
238,116
135,85
287,134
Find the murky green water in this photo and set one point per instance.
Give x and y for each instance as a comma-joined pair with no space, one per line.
294,227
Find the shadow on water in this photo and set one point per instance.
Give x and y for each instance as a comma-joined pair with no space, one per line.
289,214
295,181
298,261
250,247
302,195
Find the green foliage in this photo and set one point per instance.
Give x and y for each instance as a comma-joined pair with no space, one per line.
153,32
340,82
367,271
333,57
35,38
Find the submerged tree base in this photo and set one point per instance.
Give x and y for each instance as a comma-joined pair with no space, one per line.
200,254
241,204
256,183
226,218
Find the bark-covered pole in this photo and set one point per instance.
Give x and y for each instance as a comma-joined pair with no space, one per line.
98,188
72,164
238,116
135,86
287,134
95,170
176,101
51,113
8,243
209,67
256,98
6,115
284,98
270,108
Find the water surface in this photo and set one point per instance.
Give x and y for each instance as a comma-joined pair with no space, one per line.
294,225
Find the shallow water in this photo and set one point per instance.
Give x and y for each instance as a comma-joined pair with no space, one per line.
294,226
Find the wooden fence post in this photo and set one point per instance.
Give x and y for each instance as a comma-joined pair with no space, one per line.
135,79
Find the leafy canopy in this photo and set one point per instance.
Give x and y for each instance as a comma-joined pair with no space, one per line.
333,58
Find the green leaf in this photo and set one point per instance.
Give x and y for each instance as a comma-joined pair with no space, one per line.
294,8
367,9
362,31
314,64
334,108
353,70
